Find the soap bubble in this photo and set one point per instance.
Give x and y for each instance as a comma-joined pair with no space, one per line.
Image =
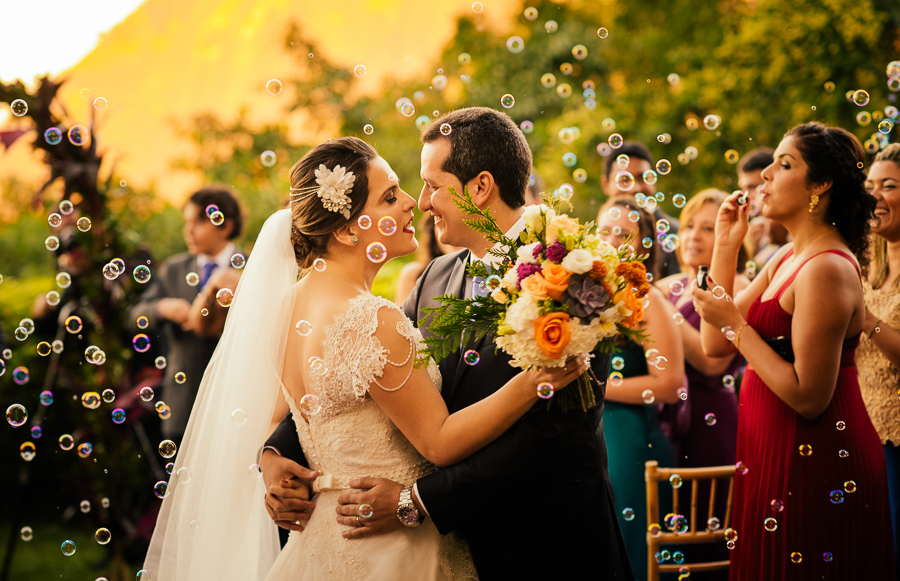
860,97
624,181
615,141
407,109
78,135
184,475
118,416
102,536
167,448
108,395
551,26
19,107
68,548
796,557
66,442
850,486
676,481
770,524
16,415
805,450
507,101
376,252
602,32
46,398
477,7
141,343
141,274
224,297
180,377
53,136
648,396
471,357
446,129
268,159
663,167
515,44
531,13
161,490
360,71
63,280
310,404
649,176
90,400
387,225
274,87
364,222
303,328
319,265
100,103
676,288
160,362
21,375
146,393
580,52
710,419
36,432
368,129
217,218
628,514
712,122
545,390
26,533
827,557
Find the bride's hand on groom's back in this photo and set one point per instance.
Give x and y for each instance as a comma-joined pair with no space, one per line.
288,490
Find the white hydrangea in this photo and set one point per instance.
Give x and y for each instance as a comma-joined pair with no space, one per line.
522,314
526,253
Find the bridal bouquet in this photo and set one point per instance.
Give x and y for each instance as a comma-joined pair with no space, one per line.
557,291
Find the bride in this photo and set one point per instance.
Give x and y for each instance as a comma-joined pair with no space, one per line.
342,360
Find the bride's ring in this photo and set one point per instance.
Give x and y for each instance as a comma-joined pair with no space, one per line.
297,522
359,524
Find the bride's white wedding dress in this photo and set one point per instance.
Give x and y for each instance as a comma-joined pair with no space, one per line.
350,437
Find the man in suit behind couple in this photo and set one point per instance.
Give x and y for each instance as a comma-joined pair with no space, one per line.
538,500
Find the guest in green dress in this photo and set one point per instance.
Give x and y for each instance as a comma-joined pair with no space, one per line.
642,376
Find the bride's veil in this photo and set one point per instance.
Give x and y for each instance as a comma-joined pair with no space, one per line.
213,523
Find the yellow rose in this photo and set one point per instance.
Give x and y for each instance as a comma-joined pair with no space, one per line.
536,286
552,334
556,280
568,225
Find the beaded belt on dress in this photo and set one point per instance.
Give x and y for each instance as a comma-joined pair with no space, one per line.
406,475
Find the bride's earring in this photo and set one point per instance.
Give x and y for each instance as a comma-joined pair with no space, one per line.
354,240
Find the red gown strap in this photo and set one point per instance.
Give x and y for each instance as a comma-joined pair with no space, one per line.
794,274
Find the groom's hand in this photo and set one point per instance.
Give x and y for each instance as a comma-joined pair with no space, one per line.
382,495
288,490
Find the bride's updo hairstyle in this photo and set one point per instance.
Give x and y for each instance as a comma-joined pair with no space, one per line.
313,224
834,154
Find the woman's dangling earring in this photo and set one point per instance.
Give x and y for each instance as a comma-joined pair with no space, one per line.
354,240
813,202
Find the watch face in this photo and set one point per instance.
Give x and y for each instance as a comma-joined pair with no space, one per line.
409,516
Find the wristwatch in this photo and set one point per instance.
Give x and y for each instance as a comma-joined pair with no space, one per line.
406,509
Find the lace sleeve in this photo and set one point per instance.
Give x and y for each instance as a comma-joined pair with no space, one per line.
359,357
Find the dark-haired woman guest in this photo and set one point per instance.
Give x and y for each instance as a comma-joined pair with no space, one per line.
811,487
878,357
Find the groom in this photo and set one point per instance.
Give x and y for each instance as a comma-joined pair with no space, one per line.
537,502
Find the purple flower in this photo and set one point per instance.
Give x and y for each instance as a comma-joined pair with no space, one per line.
537,251
556,252
525,270
585,297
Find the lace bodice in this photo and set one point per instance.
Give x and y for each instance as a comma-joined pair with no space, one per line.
349,436
878,379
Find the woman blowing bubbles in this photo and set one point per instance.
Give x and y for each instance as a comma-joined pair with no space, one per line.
811,485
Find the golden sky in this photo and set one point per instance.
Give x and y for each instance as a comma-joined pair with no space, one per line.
171,59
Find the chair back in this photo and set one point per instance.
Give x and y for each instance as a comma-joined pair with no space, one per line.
657,534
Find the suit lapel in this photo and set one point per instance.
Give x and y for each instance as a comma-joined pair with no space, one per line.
456,283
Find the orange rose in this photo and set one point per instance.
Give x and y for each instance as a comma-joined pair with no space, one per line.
556,280
552,334
633,303
568,225
536,286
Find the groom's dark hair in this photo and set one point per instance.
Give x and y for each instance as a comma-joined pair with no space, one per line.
483,139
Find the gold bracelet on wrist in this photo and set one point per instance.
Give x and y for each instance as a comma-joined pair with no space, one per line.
737,337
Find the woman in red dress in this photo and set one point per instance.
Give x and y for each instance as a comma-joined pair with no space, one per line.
811,488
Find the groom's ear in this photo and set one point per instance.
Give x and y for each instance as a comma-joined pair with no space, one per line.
482,187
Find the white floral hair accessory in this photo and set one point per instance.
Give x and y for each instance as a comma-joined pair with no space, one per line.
332,187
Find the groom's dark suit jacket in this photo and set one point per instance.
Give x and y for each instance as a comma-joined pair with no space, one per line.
537,502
